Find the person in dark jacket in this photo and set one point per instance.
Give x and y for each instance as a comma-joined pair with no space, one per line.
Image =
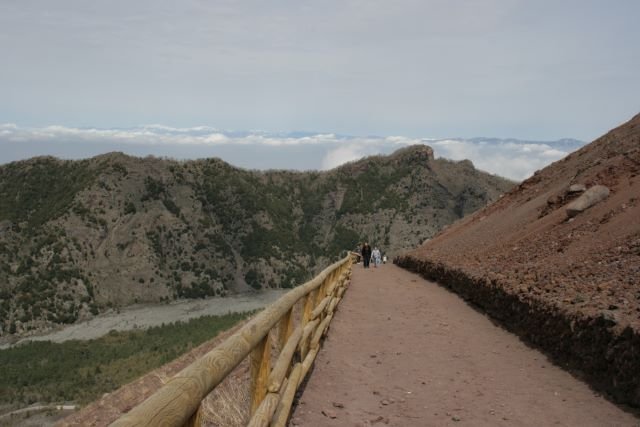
366,254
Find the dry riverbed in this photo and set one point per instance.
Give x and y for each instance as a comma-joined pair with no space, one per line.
145,316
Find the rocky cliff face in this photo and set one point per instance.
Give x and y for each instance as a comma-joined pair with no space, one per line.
557,260
79,236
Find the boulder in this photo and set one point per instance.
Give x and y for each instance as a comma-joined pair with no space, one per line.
592,196
554,200
577,188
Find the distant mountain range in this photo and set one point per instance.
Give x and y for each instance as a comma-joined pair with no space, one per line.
512,158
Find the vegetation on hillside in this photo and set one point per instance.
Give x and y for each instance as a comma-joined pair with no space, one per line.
77,238
41,189
363,191
81,371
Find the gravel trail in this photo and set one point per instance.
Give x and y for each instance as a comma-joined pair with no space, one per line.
403,351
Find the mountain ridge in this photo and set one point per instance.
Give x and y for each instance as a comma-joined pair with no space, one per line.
79,237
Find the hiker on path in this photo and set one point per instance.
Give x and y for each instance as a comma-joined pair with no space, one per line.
376,257
366,254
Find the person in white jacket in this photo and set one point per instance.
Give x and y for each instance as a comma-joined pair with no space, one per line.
376,257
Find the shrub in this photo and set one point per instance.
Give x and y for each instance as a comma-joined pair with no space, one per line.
129,208
171,206
83,370
253,279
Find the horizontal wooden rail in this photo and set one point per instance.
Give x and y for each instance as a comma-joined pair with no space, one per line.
178,402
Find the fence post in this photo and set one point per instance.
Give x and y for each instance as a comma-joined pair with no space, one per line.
322,289
260,367
285,328
309,305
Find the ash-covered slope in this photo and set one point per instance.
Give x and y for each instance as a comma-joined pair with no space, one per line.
77,237
569,285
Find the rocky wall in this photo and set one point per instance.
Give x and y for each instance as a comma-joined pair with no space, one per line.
603,353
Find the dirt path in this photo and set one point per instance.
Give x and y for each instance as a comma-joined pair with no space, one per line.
405,352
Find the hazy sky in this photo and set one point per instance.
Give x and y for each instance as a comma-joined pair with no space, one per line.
425,68
312,84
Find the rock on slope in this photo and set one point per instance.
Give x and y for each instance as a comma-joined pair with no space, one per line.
78,237
570,285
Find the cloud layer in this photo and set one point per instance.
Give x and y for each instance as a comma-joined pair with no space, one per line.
263,150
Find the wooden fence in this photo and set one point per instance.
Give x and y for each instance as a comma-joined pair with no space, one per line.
178,402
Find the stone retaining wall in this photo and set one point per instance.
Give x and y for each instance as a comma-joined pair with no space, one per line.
605,355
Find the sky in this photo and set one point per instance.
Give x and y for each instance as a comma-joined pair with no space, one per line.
413,69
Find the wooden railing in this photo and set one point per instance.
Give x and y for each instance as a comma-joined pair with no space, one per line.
179,401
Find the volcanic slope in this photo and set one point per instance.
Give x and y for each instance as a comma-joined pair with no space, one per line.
77,237
570,285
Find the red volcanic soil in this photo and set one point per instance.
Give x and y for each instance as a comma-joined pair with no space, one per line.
405,352
570,286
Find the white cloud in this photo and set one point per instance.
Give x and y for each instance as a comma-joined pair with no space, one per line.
342,155
262,150
515,160
158,127
216,138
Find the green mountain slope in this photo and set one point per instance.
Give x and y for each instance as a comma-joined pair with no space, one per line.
79,236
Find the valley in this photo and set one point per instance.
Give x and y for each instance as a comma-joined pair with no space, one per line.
144,316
